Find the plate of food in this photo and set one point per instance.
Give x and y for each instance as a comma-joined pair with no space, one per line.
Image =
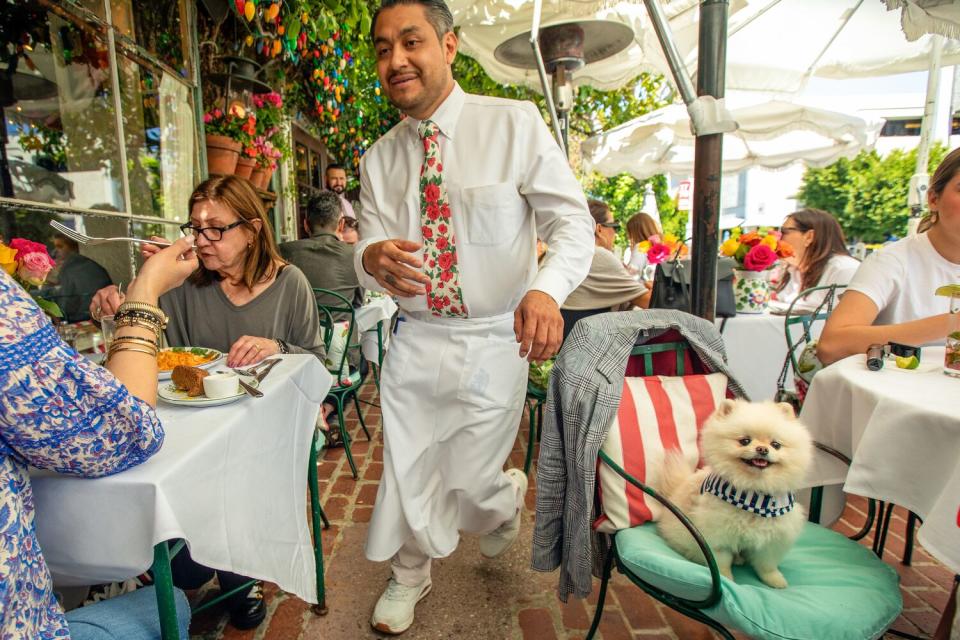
186,388
171,357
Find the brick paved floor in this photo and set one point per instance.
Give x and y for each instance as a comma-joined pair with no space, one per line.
502,599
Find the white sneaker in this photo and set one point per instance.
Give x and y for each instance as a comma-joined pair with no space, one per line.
499,540
394,611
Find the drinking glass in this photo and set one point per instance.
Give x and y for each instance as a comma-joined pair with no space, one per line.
108,327
951,359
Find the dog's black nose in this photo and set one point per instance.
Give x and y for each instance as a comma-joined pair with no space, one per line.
762,451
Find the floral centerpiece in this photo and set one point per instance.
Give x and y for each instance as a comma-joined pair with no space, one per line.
29,264
756,253
659,248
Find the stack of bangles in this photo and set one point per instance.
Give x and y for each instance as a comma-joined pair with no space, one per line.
145,316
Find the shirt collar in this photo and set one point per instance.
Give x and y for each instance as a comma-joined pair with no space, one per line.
446,115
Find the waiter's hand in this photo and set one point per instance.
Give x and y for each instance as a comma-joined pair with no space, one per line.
387,261
538,326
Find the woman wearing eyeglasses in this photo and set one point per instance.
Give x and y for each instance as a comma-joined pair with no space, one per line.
820,257
347,230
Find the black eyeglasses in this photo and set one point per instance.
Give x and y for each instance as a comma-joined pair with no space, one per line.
610,225
213,234
785,230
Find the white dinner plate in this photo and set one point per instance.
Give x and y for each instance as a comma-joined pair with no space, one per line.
217,357
169,393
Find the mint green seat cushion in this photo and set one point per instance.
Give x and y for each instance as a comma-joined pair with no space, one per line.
838,589
337,382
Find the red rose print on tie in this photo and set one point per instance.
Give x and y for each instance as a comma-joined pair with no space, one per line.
441,243
445,211
431,193
433,212
442,228
446,275
427,232
445,260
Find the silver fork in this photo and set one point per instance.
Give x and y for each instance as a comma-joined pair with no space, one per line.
252,371
83,238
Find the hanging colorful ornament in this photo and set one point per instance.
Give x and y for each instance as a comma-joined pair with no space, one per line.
343,63
273,11
376,90
239,4
249,40
249,10
276,46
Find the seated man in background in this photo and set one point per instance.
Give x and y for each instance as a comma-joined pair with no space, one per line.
77,279
347,230
324,259
608,286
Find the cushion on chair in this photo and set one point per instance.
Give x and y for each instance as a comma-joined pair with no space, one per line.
338,344
839,590
656,414
346,382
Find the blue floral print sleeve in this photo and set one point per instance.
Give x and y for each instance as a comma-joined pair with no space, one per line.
61,412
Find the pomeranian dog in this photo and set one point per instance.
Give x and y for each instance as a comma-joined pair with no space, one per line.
756,455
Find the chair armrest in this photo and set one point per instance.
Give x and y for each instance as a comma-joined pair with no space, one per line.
715,593
833,452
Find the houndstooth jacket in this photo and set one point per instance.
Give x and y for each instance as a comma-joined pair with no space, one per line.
585,388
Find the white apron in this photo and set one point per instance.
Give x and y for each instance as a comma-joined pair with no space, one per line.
451,395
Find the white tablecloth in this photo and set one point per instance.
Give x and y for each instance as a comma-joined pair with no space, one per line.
367,317
231,480
902,429
756,348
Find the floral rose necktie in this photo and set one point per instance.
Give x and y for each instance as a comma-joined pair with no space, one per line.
439,244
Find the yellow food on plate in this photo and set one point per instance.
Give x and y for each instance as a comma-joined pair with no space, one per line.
168,359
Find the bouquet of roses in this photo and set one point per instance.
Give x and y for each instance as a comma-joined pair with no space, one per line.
29,264
658,249
757,250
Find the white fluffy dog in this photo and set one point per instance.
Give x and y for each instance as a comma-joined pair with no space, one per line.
755,455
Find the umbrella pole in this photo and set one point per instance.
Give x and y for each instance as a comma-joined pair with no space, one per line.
917,196
708,161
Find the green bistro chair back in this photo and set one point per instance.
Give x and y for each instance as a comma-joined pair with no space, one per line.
344,387
838,589
806,319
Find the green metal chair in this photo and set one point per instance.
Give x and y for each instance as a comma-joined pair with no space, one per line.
700,593
536,397
343,387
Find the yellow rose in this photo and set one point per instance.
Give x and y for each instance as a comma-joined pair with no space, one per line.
643,246
8,258
729,247
770,241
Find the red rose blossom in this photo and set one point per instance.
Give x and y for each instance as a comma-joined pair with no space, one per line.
432,193
446,275
427,232
445,260
759,258
433,211
441,243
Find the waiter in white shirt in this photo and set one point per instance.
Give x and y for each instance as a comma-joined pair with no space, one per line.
453,199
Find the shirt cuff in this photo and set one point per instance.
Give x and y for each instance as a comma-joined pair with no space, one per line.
554,285
367,281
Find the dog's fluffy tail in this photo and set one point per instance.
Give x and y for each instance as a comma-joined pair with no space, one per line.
674,474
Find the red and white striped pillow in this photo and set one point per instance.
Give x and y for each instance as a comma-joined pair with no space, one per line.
656,414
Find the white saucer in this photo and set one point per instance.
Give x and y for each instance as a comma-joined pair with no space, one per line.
169,393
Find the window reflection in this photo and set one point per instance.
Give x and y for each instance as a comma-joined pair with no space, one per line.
156,26
60,138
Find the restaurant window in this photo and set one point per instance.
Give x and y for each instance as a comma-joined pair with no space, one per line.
901,127
100,126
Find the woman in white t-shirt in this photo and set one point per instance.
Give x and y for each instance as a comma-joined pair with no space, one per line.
820,257
891,298
639,228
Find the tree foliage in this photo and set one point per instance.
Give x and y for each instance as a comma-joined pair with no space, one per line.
625,194
868,194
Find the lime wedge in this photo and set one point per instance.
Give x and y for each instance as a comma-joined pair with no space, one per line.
948,290
910,362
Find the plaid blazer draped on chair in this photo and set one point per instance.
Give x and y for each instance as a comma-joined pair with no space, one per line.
584,394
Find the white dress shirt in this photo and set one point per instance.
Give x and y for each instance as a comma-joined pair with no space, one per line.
508,183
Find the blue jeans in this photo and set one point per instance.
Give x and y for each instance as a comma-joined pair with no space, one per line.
132,616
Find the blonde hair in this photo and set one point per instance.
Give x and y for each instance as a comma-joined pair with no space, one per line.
640,227
944,173
238,195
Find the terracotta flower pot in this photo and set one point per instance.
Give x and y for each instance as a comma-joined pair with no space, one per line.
261,177
245,166
222,154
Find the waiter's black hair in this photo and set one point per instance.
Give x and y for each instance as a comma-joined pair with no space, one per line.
438,15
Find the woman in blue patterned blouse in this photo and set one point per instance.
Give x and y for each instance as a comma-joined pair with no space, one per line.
59,411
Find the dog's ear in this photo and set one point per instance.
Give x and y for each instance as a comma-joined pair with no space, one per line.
787,410
725,408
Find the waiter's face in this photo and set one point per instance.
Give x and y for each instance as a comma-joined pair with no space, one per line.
412,62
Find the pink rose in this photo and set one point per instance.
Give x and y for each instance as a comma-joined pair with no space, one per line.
207,118
34,267
445,260
657,253
759,258
432,193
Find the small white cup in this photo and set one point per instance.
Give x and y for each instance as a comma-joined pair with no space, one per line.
221,385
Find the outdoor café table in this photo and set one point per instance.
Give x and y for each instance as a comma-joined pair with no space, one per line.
902,430
374,339
756,349
231,480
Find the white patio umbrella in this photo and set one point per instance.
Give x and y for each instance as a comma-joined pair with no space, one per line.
772,135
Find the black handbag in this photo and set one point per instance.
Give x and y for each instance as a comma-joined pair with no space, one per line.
671,286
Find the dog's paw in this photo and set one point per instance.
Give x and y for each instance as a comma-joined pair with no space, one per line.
774,579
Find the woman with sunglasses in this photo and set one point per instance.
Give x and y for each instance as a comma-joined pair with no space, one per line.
820,257
243,300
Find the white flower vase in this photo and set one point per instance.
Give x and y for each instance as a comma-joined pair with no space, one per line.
751,290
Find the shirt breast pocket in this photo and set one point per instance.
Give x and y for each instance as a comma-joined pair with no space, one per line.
493,213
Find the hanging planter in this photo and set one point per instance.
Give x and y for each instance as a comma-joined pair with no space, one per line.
245,166
222,154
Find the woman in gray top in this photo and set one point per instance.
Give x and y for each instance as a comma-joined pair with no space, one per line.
244,300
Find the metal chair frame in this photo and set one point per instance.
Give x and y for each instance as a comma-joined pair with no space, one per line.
340,392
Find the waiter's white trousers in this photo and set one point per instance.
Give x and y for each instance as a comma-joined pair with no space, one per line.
451,395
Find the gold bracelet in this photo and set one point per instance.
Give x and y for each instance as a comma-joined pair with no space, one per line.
113,352
146,308
128,321
145,341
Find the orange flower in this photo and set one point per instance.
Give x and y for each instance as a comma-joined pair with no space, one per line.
785,250
750,239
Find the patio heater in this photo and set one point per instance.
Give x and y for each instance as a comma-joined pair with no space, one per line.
560,50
